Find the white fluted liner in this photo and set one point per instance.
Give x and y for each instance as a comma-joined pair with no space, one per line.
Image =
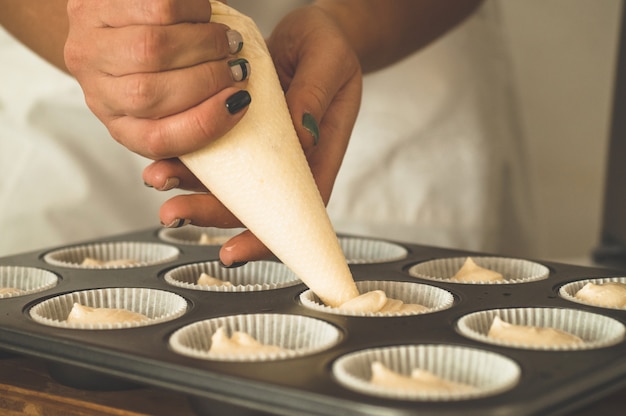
489,373
191,234
298,335
569,290
434,298
512,270
595,330
26,279
141,253
157,305
253,276
363,250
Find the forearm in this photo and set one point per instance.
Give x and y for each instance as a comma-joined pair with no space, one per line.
40,25
384,31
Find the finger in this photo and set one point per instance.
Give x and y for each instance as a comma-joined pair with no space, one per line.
181,133
242,248
153,95
146,48
203,210
167,174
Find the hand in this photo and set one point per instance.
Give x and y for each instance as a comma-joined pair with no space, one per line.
155,72
321,76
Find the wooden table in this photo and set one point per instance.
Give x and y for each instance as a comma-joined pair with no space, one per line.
27,389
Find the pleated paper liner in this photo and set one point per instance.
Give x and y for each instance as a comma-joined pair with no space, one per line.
366,250
486,373
595,330
433,298
512,270
194,235
20,281
120,254
254,276
297,335
569,290
157,305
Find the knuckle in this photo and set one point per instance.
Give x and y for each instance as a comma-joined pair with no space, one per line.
150,44
140,95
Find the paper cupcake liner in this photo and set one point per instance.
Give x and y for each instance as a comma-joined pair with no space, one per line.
140,254
487,372
298,335
158,305
595,330
27,280
254,276
569,290
195,235
434,298
513,270
367,251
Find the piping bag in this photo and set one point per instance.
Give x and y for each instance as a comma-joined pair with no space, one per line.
258,170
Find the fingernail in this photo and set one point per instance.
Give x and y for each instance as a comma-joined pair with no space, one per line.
238,101
309,123
177,223
170,183
234,265
146,184
235,41
240,69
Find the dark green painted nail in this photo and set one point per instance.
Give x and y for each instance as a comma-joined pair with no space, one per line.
309,123
238,101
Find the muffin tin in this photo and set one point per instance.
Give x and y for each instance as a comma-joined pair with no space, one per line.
324,376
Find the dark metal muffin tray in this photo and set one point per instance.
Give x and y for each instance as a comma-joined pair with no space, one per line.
551,382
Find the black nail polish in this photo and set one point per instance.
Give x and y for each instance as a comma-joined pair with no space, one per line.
234,265
238,101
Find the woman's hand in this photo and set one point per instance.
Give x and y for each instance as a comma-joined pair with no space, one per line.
321,76
157,73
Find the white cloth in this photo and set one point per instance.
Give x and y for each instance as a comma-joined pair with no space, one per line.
435,157
64,179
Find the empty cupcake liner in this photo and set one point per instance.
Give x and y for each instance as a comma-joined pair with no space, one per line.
569,290
128,253
595,330
434,298
486,372
363,250
254,276
195,235
157,305
20,281
512,270
297,335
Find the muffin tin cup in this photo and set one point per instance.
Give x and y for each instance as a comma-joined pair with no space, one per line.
486,373
433,298
368,251
128,254
157,305
595,330
513,270
256,276
569,290
26,280
296,335
194,235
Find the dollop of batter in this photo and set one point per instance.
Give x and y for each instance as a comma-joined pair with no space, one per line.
609,294
419,381
239,343
91,262
471,272
377,301
530,335
207,280
10,291
81,314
